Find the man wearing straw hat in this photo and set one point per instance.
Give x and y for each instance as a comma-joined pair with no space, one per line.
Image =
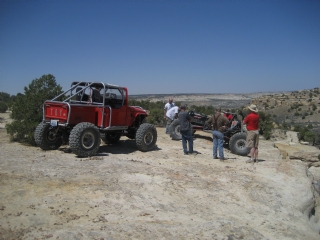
252,123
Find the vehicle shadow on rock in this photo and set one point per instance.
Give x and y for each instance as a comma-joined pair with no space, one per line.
67,149
122,147
199,136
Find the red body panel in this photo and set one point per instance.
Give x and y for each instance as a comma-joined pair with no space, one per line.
118,116
74,112
82,113
56,111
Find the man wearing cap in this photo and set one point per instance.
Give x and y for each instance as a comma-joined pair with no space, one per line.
252,123
220,123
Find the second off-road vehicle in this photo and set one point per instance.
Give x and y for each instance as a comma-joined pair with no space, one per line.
88,112
234,136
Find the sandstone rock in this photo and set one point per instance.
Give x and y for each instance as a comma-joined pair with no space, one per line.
161,194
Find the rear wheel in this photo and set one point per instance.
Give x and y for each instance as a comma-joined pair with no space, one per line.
146,137
174,130
237,144
47,137
85,139
111,137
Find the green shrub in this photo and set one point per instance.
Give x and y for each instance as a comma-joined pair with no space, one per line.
265,124
3,107
27,108
4,97
309,136
304,134
156,117
314,107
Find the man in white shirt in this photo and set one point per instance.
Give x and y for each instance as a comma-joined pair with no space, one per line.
171,114
168,106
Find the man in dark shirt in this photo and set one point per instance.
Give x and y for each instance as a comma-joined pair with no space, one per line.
186,130
219,122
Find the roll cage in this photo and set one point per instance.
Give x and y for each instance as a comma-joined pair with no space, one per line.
97,93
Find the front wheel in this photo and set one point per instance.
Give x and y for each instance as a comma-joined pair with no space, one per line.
237,144
84,139
174,130
47,137
146,137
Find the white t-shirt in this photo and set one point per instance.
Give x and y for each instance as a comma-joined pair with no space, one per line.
172,112
168,106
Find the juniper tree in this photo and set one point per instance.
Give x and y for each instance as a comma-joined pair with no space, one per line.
27,108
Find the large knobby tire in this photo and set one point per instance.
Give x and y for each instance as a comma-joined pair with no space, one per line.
146,137
237,144
111,137
84,139
47,137
174,130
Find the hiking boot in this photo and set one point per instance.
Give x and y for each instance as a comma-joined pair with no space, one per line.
186,153
215,157
193,153
223,159
256,160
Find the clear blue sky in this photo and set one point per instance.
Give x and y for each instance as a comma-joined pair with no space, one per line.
162,47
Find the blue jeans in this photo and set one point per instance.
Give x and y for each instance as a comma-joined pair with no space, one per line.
187,137
169,121
217,143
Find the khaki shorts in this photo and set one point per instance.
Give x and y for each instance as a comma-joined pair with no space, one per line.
252,139
169,121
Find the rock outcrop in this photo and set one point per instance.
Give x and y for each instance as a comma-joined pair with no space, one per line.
291,148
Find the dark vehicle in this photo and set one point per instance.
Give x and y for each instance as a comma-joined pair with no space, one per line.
91,111
234,136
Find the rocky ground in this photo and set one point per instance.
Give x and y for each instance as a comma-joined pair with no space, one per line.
122,193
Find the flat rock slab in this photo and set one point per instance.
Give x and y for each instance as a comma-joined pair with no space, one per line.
122,193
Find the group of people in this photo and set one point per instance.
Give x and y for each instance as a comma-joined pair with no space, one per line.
172,112
219,122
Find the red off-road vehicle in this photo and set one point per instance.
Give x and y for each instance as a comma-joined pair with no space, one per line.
91,111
